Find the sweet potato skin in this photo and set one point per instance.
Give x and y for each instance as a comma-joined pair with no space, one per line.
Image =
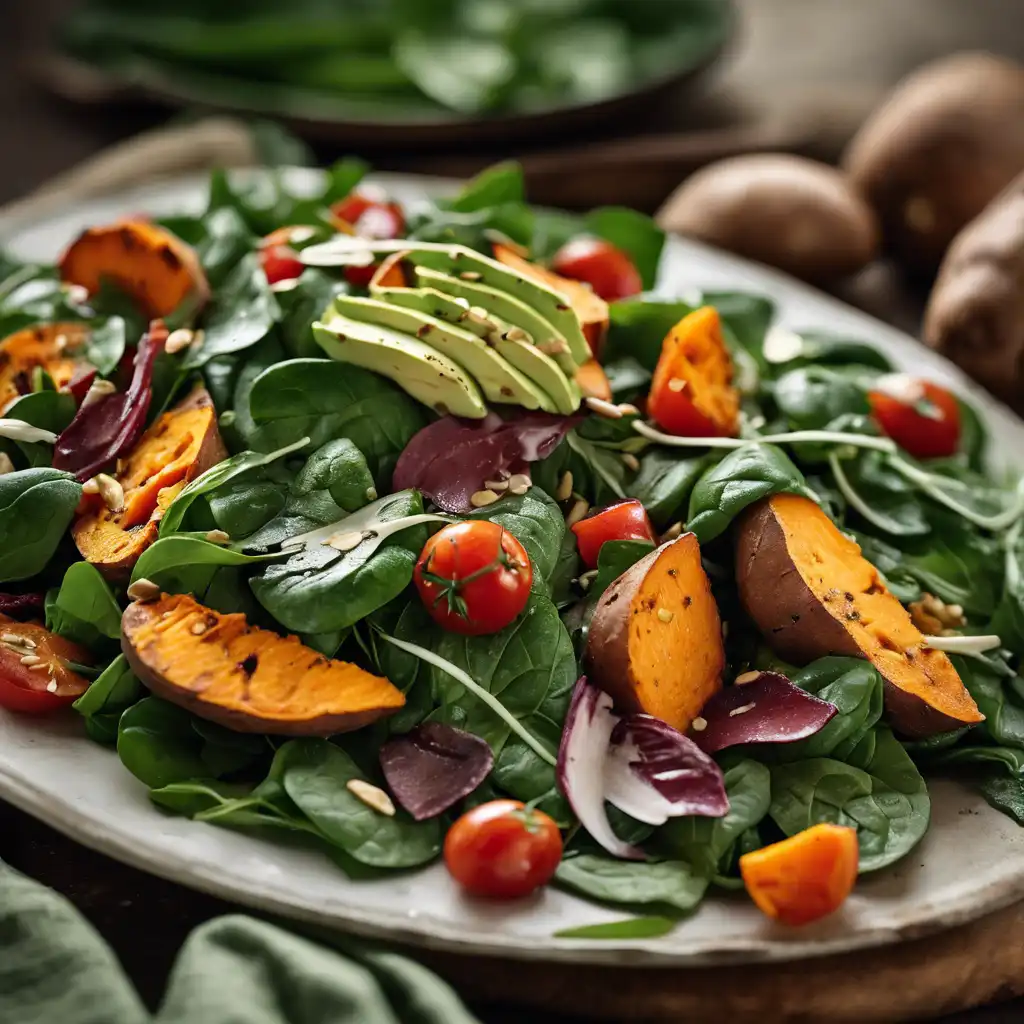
51,346
217,680
147,493
628,613
153,266
975,314
800,629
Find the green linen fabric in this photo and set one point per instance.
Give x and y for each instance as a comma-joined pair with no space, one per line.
56,969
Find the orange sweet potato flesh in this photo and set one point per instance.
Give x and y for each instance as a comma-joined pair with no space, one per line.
593,381
51,346
244,678
157,269
812,593
182,443
805,877
655,642
591,309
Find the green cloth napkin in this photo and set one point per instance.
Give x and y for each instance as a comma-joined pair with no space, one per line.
56,969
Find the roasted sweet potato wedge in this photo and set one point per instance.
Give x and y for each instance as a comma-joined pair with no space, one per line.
812,593
180,445
244,678
157,269
655,642
591,309
50,346
593,381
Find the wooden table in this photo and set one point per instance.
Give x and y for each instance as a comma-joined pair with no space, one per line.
823,61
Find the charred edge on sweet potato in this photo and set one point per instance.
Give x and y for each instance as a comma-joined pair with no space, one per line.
157,269
655,642
53,347
182,443
812,593
245,678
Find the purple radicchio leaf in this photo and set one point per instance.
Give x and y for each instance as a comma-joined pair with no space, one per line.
21,606
434,766
450,459
654,773
768,709
105,429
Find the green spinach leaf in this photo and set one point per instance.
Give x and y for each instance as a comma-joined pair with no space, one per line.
84,609
668,884
36,508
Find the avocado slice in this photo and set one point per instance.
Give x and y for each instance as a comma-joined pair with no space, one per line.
560,393
498,379
416,367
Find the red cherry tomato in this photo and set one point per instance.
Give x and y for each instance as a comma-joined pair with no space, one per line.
626,520
502,850
280,264
607,269
44,685
919,416
368,213
473,577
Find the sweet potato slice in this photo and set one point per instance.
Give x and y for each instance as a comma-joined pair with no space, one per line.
50,346
157,269
692,393
591,309
812,593
593,381
181,444
244,678
655,642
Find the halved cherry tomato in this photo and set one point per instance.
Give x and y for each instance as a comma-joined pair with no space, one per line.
280,263
368,213
43,685
473,577
626,520
502,850
692,393
919,416
606,268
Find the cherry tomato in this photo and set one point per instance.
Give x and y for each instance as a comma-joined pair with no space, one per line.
502,850
473,577
607,269
919,416
368,213
291,235
44,685
280,263
626,520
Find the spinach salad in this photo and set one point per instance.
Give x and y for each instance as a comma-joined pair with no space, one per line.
419,532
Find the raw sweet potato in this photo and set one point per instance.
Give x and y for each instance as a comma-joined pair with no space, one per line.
180,445
812,593
591,309
805,877
157,269
244,678
655,642
692,393
50,346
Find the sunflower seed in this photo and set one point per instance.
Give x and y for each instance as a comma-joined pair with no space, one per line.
61,342
77,293
564,490
520,483
98,389
552,348
345,541
371,493
579,509
110,491
699,724
677,384
665,615
178,340
747,677
481,499
31,659
51,686
6,466
675,530
218,537
498,486
609,410
373,796
197,628
91,486
741,710
516,334
630,461
143,590
470,275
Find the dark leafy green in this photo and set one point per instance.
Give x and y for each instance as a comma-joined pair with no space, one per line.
36,508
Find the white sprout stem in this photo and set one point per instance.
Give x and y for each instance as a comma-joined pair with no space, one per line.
925,481
968,645
478,691
853,498
19,430
878,444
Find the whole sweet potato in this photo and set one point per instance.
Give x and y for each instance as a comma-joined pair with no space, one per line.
786,211
975,315
944,144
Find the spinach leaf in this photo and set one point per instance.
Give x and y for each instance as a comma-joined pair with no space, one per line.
36,508
886,801
242,508
242,313
519,772
116,689
893,504
186,564
744,476
339,468
315,775
818,348
50,410
746,318
664,483
812,397
1003,707
304,304
1004,793
668,884
614,558
627,379
632,232
498,184
84,609
637,328
157,744
646,927
1008,620
320,589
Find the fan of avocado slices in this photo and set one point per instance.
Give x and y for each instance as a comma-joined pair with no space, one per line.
224,519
